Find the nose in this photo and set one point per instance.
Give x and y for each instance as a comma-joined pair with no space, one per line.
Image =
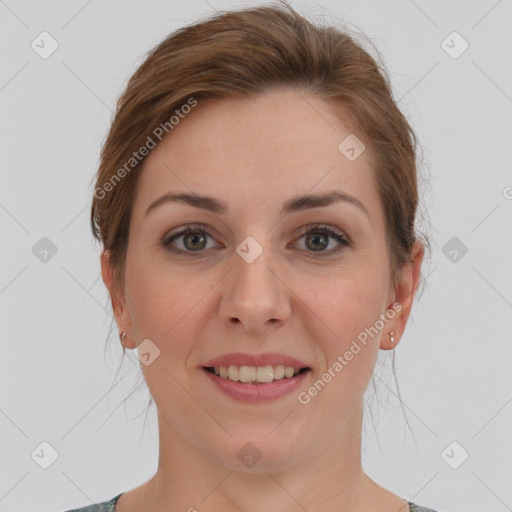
254,295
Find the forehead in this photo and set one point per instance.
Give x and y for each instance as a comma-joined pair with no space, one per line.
257,150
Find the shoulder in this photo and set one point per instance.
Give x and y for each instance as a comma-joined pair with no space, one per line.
105,506
417,508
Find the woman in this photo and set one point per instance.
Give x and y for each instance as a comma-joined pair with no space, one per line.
256,201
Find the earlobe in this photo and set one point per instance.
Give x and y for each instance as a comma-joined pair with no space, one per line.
390,336
404,294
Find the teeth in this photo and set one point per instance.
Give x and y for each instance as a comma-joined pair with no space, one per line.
255,373
288,371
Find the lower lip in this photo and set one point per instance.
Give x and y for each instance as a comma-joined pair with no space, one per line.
257,392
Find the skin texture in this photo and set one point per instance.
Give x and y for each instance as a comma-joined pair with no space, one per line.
254,154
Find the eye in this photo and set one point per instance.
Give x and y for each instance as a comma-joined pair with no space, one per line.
317,237
194,240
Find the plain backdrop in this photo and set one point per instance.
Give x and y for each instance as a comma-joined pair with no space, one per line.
63,398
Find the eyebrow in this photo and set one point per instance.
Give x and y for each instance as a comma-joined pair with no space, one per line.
294,204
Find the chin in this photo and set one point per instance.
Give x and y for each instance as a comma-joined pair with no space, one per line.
257,453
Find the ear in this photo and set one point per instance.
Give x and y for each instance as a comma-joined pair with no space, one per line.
117,299
404,293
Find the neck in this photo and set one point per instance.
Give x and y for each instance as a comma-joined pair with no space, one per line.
332,479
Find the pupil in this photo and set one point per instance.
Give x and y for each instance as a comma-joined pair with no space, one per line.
194,237
315,239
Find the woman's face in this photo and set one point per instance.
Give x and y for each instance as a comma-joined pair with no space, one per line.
250,280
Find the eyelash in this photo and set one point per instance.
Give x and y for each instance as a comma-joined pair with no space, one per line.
312,228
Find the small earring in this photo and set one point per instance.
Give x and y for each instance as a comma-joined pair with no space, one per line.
391,336
123,336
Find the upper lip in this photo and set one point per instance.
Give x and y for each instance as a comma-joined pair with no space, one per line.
241,359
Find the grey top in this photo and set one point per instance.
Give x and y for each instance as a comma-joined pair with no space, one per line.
110,506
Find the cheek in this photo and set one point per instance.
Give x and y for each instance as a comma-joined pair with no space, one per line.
347,305
164,308
349,346
160,298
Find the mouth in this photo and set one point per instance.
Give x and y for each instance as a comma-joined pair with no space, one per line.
255,374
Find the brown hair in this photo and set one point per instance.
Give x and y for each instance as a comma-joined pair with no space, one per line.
247,52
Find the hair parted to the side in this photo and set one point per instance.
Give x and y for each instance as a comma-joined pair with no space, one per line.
243,53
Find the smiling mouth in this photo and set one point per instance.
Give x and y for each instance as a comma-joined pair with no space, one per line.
255,374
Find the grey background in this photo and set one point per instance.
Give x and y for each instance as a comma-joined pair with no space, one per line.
59,385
